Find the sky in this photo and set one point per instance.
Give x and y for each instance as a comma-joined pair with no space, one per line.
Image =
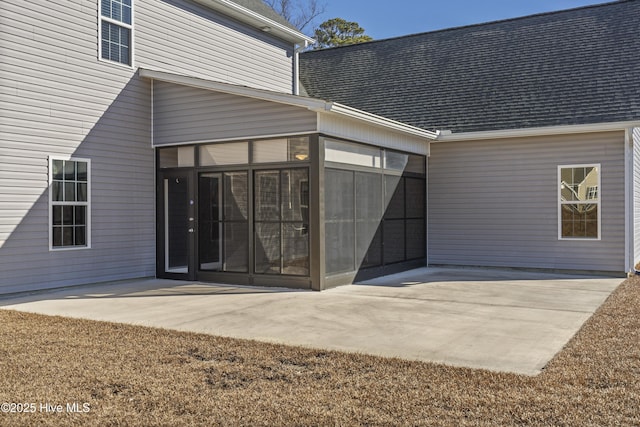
385,19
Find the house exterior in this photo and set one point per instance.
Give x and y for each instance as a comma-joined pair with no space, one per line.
171,138
536,164
165,138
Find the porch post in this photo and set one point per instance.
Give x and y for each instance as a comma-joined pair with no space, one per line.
316,214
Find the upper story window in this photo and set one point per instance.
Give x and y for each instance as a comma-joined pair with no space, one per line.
116,28
579,202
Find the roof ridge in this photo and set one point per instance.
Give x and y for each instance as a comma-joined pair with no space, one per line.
480,24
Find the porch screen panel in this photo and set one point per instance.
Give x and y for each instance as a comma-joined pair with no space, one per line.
368,205
267,248
209,222
223,239
339,221
393,231
415,213
394,197
394,241
375,207
295,221
235,226
267,218
282,221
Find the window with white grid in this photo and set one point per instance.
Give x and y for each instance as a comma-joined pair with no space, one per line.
579,202
69,203
116,30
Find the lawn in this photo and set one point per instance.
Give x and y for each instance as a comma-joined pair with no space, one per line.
130,375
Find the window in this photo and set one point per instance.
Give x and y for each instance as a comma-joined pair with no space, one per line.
351,154
579,202
395,161
281,150
116,29
233,153
70,195
176,157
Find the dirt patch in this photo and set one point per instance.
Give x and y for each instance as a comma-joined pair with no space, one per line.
138,376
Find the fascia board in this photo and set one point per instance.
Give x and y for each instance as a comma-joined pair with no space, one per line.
256,20
538,131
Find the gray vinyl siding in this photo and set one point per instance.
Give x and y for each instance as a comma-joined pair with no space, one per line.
58,99
494,203
636,195
185,114
182,37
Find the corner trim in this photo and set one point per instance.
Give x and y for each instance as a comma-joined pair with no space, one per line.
628,205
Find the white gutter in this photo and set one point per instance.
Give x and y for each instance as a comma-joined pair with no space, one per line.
296,67
311,104
256,20
537,131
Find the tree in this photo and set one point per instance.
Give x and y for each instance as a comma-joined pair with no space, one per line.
299,13
339,32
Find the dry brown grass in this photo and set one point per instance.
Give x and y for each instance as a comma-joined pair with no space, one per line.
143,376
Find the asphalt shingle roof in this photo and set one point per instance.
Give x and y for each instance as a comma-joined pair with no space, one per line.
569,67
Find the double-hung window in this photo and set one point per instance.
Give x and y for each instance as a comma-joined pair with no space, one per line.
69,201
116,29
579,202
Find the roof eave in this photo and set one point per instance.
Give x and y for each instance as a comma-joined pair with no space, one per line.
258,21
446,136
376,120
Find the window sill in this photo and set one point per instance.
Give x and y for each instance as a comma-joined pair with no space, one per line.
67,248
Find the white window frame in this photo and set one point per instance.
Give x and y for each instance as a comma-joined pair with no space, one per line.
596,201
52,203
121,24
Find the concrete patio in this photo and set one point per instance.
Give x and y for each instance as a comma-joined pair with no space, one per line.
500,320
